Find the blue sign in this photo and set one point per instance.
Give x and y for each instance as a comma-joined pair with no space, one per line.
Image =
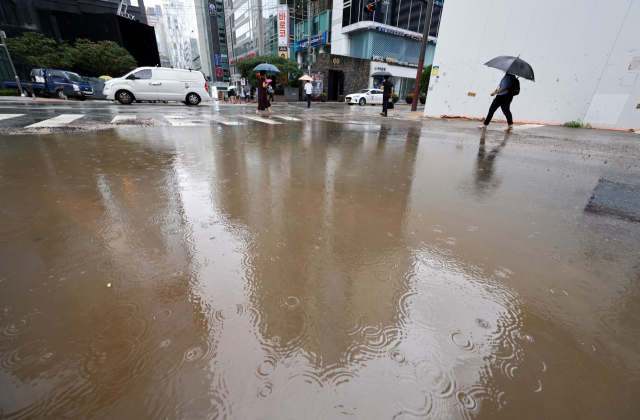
217,60
315,41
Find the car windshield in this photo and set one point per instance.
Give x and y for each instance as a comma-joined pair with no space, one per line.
74,77
363,91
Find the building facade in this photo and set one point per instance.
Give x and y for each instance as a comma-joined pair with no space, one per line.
586,64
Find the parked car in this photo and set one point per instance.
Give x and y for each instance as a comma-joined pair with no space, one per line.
158,84
371,96
61,83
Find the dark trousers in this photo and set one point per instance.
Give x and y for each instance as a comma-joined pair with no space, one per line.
503,102
385,104
308,101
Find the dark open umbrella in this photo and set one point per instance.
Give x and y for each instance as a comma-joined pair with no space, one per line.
512,65
381,74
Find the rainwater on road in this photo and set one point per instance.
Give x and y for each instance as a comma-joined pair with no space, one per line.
321,268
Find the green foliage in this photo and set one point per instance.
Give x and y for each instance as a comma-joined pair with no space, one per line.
424,81
9,93
423,96
104,58
395,95
323,94
409,96
40,51
285,65
577,124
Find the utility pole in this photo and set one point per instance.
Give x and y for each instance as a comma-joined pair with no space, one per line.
3,39
309,37
423,50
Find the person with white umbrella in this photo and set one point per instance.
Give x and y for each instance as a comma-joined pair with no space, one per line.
308,88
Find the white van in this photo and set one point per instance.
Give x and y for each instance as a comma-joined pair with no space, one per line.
158,84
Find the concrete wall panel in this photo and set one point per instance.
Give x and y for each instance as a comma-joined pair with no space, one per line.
578,49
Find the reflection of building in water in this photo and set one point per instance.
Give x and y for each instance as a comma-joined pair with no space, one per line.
109,214
329,227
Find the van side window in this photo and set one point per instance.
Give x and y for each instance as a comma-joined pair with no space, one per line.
166,75
57,75
142,74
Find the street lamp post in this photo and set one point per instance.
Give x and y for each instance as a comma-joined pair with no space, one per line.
6,49
423,49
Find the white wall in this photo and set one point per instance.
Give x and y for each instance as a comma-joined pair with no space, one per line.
581,52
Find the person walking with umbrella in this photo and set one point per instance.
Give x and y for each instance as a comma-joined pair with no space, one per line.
509,86
263,100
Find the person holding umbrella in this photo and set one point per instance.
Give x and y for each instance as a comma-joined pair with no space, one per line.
509,86
263,101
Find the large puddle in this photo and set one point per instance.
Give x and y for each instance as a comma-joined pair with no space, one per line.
313,270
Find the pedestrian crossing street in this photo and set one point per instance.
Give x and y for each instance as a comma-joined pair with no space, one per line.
174,120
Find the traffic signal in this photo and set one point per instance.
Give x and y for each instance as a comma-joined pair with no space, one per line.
370,7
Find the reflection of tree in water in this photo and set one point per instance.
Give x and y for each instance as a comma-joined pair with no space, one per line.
484,176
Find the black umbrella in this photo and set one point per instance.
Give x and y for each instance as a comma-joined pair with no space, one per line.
381,74
512,65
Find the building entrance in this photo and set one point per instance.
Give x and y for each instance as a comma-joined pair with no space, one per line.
335,86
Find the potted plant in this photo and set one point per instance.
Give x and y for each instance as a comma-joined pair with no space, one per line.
423,99
323,97
395,98
409,98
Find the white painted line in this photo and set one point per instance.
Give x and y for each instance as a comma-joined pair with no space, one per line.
260,119
527,126
222,120
7,116
178,121
124,117
287,118
58,121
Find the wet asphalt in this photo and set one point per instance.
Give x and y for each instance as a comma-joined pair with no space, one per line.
324,263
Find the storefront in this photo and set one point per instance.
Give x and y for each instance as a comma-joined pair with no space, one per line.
404,76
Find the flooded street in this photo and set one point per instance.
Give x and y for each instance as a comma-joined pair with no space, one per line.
319,269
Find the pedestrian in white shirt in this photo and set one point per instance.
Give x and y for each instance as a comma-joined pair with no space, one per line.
308,89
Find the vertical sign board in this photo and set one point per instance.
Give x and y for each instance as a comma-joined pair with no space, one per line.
217,61
283,31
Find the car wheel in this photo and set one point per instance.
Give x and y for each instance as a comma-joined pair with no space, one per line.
349,104
362,101
193,99
124,97
82,98
60,94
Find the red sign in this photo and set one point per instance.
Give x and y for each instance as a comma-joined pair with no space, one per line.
240,58
219,72
251,55
232,62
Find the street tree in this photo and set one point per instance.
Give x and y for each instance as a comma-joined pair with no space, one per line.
285,65
40,51
424,81
104,58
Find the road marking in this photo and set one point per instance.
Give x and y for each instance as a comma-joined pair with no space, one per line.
286,118
260,119
7,116
58,121
527,126
123,117
222,120
179,121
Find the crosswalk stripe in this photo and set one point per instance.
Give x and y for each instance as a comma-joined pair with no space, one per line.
56,121
123,117
222,120
179,121
7,116
260,119
287,118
